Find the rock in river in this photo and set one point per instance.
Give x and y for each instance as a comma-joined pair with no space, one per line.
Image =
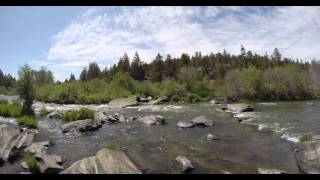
81,126
240,107
212,137
185,163
106,161
152,120
55,115
202,120
160,100
13,140
124,102
308,156
270,171
185,124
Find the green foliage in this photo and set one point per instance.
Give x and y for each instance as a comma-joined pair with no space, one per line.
25,89
27,121
4,110
10,110
305,138
31,162
44,112
175,98
114,147
193,97
82,114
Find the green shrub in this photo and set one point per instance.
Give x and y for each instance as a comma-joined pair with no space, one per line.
44,112
175,98
27,121
31,162
82,114
4,110
193,98
15,110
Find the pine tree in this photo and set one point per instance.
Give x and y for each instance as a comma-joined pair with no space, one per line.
93,71
84,74
136,69
124,64
157,68
72,78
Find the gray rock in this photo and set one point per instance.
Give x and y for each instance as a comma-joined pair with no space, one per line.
124,102
202,120
308,157
185,163
212,137
240,107
270,171
185,124
13,140
160,100
151,120
81,126
55,115
106,161
100,117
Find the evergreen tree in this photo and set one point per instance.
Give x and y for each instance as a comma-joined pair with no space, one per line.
157,68
136,69
72,78
93,71
124,64
83,74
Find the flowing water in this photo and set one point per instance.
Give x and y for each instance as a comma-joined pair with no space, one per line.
266,141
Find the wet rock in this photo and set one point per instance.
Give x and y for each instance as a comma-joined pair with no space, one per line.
215,101
55,115
124,102
160,100
106,161
212,137
270,171
240,107
151,120
308,157
245,115
13,140
38,148
81,126
8,120
100,117
185,124
119,118
202,120
185,163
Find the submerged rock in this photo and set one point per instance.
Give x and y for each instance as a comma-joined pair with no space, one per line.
160,100
308,156
55,115
270,171
185,124
185,163
119,118
212,137
106,161
81,126
152,120
240,107
13,140
202,120
124,102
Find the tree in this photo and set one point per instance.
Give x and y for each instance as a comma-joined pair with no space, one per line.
157,68
136,70
189,75
83,74
43,76
124,64
25,89
72,77
93,71
276,55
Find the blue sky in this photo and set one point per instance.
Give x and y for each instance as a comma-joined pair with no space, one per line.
67,38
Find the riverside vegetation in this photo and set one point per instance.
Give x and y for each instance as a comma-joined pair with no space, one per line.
198,78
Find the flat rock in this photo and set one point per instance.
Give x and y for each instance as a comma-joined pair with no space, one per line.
151,120
212,137
308,156
270,171
240,107
202,120
186,165
160,100
106,161
81,126
124,102
185,124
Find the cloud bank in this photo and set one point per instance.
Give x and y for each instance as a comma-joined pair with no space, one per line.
103,34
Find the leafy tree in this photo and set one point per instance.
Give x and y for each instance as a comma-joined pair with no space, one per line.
26,89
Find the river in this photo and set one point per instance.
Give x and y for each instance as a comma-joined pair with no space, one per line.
265,141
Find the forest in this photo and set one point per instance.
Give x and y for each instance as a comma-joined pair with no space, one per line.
196,78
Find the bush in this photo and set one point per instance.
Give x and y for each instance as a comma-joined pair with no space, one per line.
82,114
15,110
175,98
27,121
193,98
4,110
31,162
44,112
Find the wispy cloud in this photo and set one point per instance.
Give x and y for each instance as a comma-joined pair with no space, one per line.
104,34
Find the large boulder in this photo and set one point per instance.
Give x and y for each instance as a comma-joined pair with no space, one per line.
55,115
202,120
124,102
186,165
240,107
152,119
308,156
160,100
106,161
13,140
81,126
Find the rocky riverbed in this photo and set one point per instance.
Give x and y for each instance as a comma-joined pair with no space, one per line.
160,137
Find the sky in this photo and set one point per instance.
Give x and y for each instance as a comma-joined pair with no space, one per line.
65,39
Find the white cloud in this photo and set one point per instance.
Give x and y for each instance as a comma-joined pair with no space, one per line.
104,34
